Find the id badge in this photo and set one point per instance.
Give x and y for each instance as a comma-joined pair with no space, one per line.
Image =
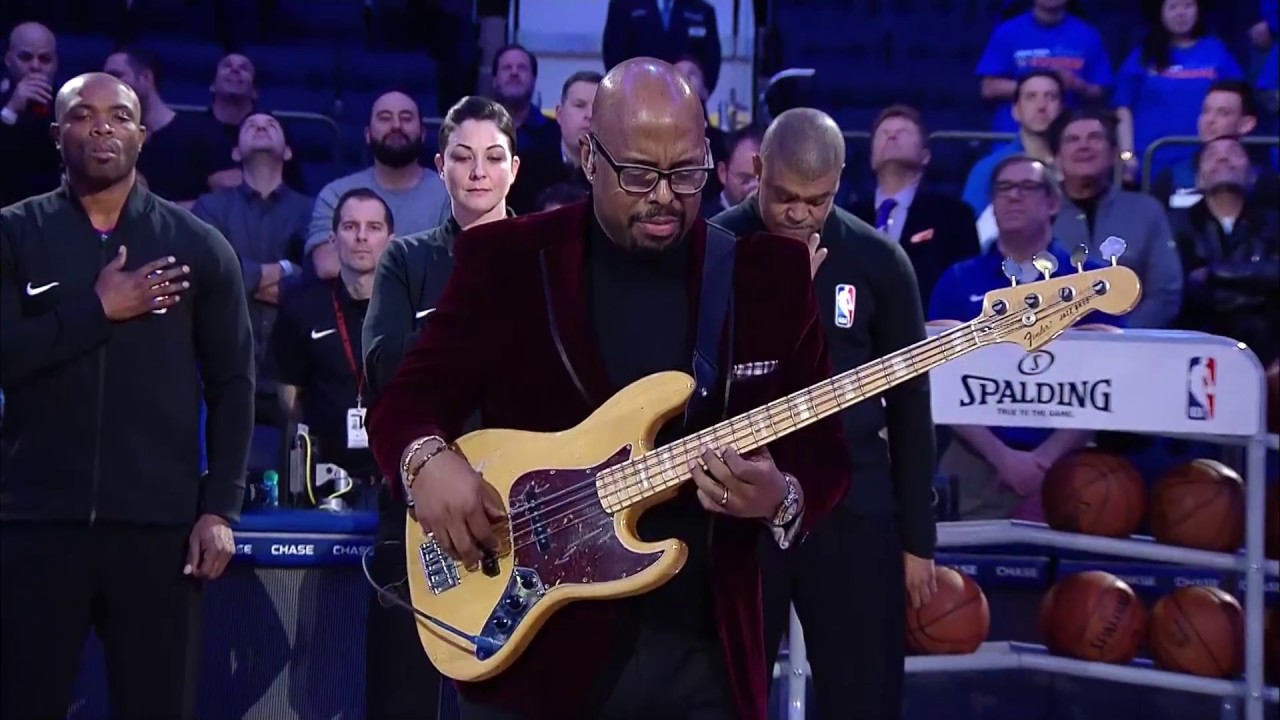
357,436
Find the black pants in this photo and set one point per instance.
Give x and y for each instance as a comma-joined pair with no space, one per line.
668,675
846,581
126,583
400,681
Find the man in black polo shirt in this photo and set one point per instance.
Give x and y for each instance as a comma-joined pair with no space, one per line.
266,222
316,342
881,536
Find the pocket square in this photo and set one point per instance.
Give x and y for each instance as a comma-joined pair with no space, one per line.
742,371
923,236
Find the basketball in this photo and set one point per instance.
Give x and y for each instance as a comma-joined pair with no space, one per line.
1199,505
1198,630
1094,493
1272,519
956,619
1093,616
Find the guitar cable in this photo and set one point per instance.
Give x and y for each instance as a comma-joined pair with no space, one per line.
387,594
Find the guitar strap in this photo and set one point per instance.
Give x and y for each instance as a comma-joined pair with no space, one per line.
715,323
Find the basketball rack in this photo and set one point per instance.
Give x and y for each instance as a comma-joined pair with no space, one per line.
1149,376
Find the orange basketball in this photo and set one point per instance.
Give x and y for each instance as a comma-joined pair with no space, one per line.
1199,505
956,619
1198,630
1093,616
1094,493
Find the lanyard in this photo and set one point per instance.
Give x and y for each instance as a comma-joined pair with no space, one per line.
356,369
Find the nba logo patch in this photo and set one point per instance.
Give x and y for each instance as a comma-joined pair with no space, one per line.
846,298
1202,388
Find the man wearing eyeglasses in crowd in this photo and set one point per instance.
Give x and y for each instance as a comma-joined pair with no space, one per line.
609,292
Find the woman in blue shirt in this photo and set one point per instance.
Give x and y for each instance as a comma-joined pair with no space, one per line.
1050,38
1162,84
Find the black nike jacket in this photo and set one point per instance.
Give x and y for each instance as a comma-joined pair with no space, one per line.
103,418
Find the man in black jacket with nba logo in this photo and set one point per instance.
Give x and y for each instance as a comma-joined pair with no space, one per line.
880,538
119,313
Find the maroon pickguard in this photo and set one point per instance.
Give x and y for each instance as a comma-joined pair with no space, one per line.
578,543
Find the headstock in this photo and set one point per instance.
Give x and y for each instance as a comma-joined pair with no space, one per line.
1033,313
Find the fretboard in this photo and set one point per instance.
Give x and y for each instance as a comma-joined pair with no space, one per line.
667,467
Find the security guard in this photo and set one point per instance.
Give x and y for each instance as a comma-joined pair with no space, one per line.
316,344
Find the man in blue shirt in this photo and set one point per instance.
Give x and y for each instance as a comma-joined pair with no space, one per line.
1047,38
1037,103
999,470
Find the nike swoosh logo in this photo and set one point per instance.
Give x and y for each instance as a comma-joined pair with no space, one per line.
975,298
317,334
424,313
33,291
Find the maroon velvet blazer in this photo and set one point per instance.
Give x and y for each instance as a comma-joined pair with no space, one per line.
487,346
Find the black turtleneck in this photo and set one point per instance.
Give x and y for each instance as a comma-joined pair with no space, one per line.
640,313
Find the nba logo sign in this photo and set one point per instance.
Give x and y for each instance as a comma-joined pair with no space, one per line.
1202,388
846,298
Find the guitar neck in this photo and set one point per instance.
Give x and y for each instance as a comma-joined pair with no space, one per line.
667,467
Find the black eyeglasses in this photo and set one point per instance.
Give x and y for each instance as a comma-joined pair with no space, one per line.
641,179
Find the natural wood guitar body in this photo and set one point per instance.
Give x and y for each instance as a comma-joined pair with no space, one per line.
586,554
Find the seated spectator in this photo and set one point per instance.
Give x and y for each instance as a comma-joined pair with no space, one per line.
266,222
542,167
1161,85
935,230
174,162
1046,38
1037,103
26,110
999,470
1094,208
515,73
561,194
692,70
416,195
1228,110
234,97
737,172
1230,248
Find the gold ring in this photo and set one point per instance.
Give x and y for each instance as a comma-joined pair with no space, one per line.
724,499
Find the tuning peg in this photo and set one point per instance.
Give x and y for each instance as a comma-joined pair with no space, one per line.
1012,270
1045,263
1078,256
1113,247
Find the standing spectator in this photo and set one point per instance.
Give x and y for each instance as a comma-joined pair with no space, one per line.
1229,110
1094,208
1230,248
1046,38
26,110
1162,84
119,312
415,195
1037,103
736,173
935,230
266,222
174,162
664,29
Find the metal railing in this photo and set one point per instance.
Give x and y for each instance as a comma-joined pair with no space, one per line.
291,116
1188,140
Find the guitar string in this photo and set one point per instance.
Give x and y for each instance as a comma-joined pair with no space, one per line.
584,494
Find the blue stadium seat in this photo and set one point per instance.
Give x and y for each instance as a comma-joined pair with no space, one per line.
316,175
185,92
315,99
184,60
82,53
311,140
295,65
378,72
327,22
